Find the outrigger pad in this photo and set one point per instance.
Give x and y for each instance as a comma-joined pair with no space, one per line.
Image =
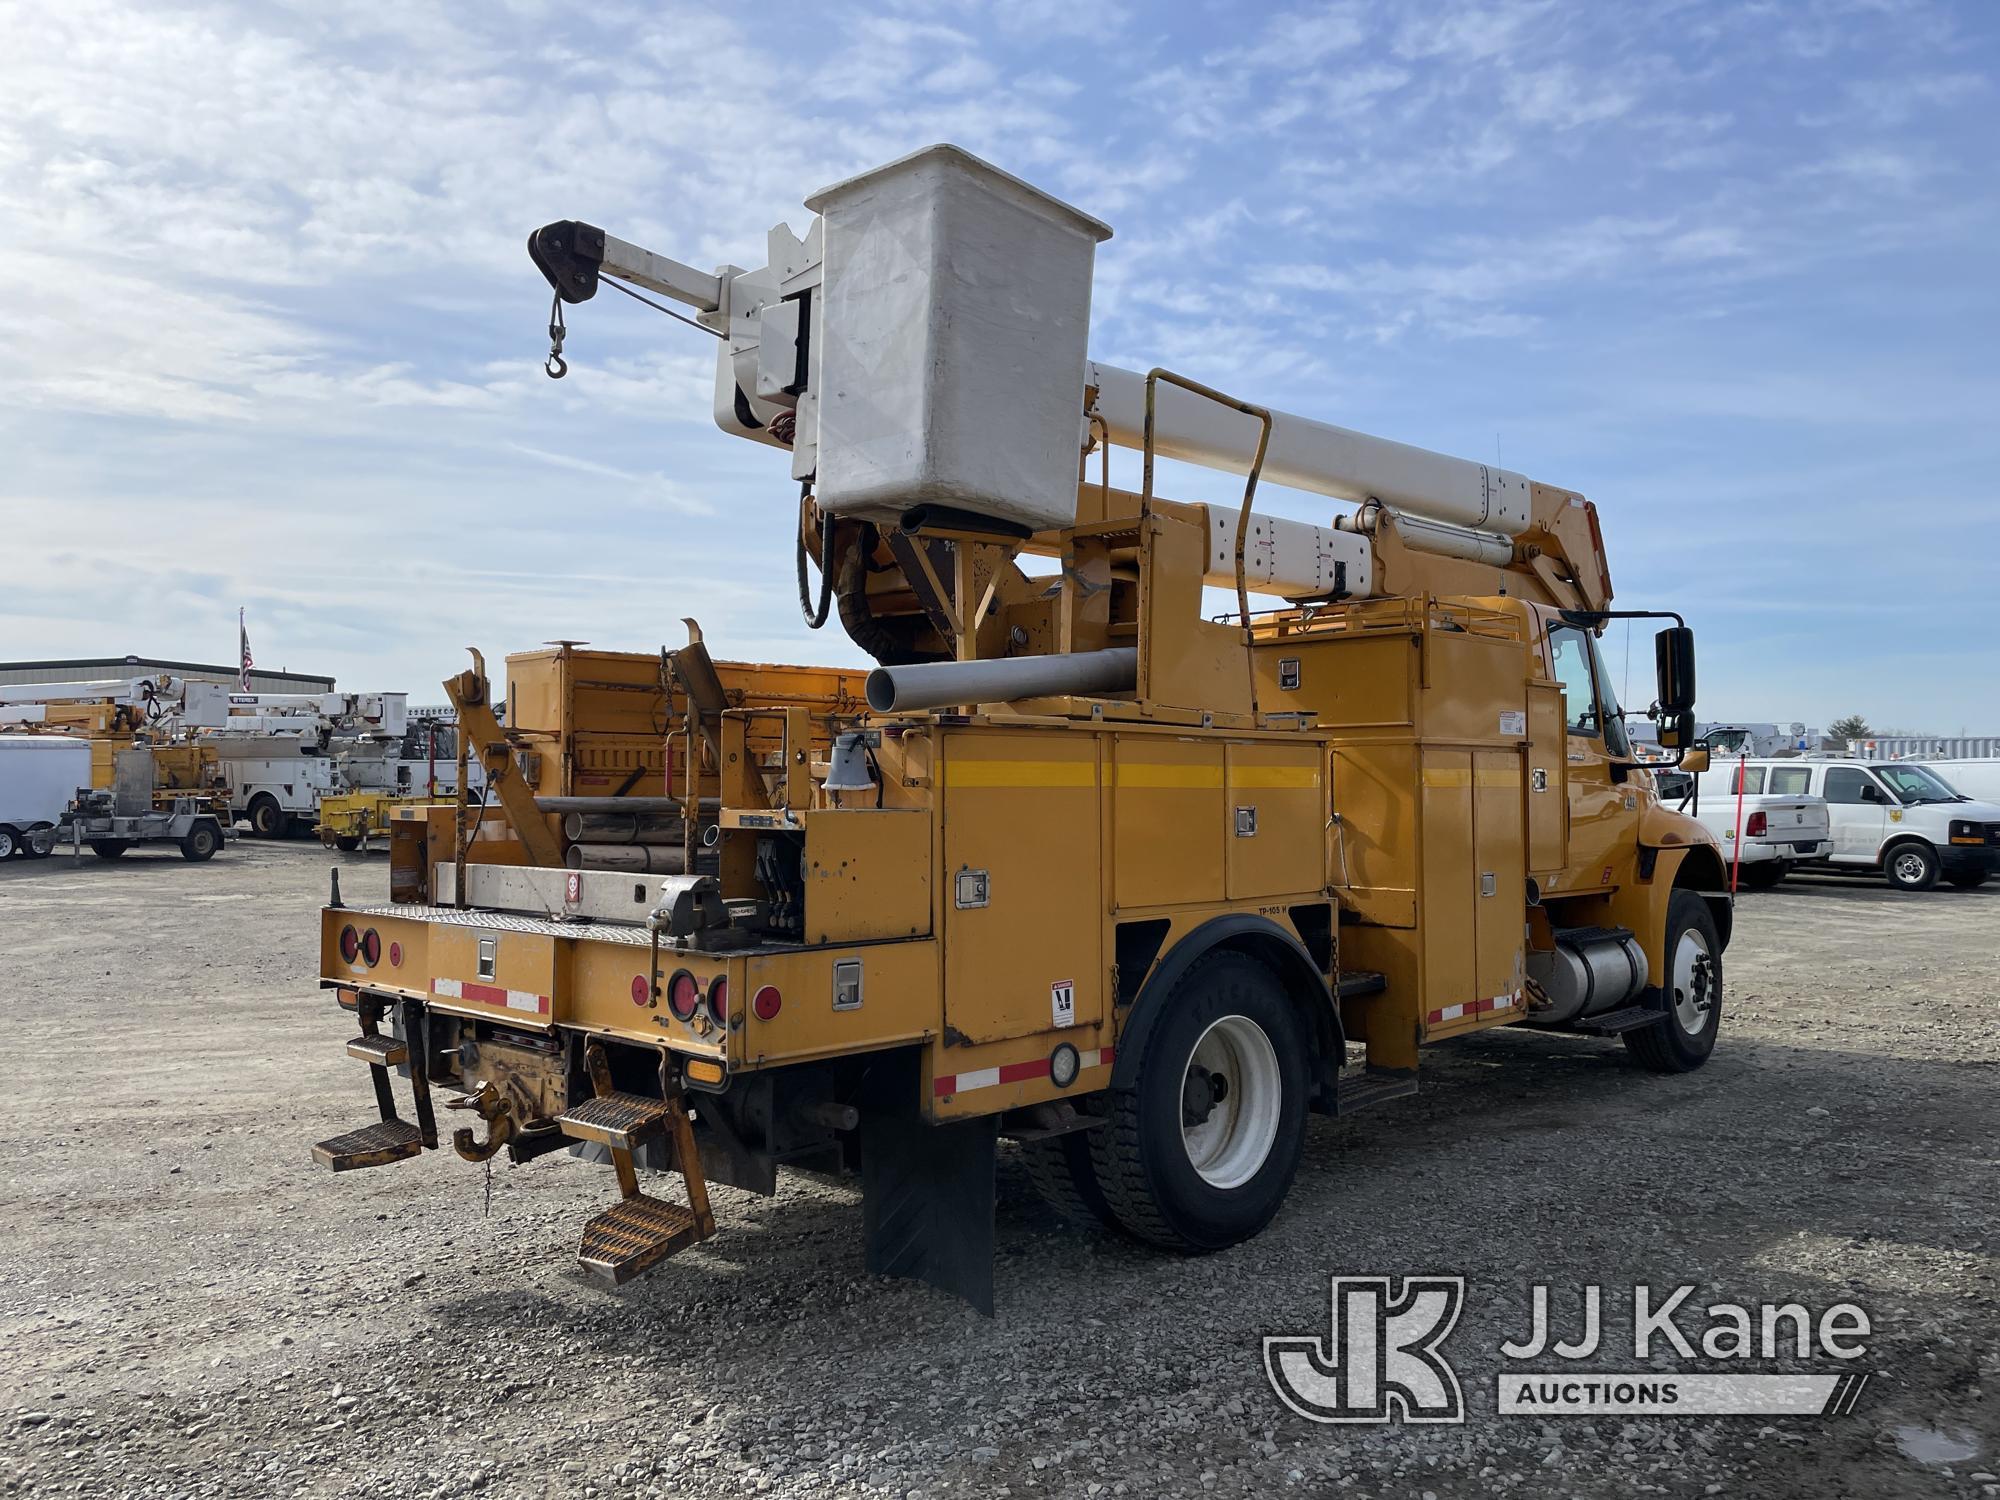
927,1203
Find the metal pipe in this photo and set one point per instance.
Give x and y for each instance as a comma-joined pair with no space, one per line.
621,828
653,859
1315,456
654,806
940,684
1420,534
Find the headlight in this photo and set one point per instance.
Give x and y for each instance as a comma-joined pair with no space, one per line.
1965,831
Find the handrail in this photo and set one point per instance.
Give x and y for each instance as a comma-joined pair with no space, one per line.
1263,415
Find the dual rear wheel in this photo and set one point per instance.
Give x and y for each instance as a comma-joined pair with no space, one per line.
1199,1152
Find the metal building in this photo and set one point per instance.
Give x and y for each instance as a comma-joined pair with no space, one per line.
93,668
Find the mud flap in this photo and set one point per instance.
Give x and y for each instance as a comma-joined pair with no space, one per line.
927,1203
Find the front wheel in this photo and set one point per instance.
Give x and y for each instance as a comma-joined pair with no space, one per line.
1911,867
1202,1148
1691,997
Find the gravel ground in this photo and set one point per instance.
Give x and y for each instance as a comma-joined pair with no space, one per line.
190,1308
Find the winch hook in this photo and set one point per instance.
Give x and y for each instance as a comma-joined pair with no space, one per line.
491,1108
555,366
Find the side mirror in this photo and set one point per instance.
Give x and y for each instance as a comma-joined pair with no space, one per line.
1677,731
1673,659
1694,762
1872,793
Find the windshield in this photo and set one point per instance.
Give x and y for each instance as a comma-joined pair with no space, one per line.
1914,784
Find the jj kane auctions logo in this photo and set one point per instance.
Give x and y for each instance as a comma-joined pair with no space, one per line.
1382,1359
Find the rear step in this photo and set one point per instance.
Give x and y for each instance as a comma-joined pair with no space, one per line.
1616,1022
634,1235
637,1233
622,1121
389,1139
371,1146
383,1051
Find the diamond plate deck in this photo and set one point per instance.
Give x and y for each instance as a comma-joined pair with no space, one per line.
383,1051
634,1235
371,1146
499,921
620,1120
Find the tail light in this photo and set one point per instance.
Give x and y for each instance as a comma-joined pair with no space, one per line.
1758,825
683,994
718,999
371,947
767,1003
350,943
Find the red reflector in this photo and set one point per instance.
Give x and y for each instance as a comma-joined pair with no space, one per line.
1757,826
767,1002
371,947
718,999
396,955
642,989
350,943
683,994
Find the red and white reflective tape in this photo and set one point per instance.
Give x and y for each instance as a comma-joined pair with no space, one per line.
491,994
986,1078
1473,1008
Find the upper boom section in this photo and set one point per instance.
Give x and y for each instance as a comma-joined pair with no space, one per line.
923,346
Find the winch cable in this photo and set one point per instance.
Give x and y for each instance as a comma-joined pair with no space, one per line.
555,366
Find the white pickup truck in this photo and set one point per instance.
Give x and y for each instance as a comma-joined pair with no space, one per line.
1783,823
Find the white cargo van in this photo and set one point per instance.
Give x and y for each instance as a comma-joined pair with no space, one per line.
1783,823
1978,779
1902,819
39,776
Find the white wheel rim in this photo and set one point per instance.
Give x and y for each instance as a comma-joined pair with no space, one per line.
1909,868
1694,982
1231,1092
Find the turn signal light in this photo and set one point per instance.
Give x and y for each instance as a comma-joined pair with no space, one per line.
1758,825
767,1003
703,1071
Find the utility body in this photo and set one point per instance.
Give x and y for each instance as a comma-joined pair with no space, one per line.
1073,866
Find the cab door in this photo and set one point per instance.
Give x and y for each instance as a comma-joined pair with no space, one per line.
1857,807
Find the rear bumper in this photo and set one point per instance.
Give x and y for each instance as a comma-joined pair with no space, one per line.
1761,851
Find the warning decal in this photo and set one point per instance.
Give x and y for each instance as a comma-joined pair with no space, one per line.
1062,1002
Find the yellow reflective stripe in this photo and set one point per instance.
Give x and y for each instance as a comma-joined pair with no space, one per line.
1158,774
1286,778
1020,773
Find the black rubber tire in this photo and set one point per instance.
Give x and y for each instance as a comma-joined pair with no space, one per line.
11,843
39,843
1063,1176
109,848
1140,1160
201,843
347,843
1668,1047
267,820
1764,874
1967,880
1925,866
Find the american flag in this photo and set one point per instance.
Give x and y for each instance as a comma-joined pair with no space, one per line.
243,669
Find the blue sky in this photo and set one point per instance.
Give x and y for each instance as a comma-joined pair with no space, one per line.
1727,268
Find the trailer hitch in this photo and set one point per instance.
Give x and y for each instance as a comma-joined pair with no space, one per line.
499,1119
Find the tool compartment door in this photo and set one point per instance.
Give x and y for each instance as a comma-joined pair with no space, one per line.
1021,810
1500,906
1276,817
